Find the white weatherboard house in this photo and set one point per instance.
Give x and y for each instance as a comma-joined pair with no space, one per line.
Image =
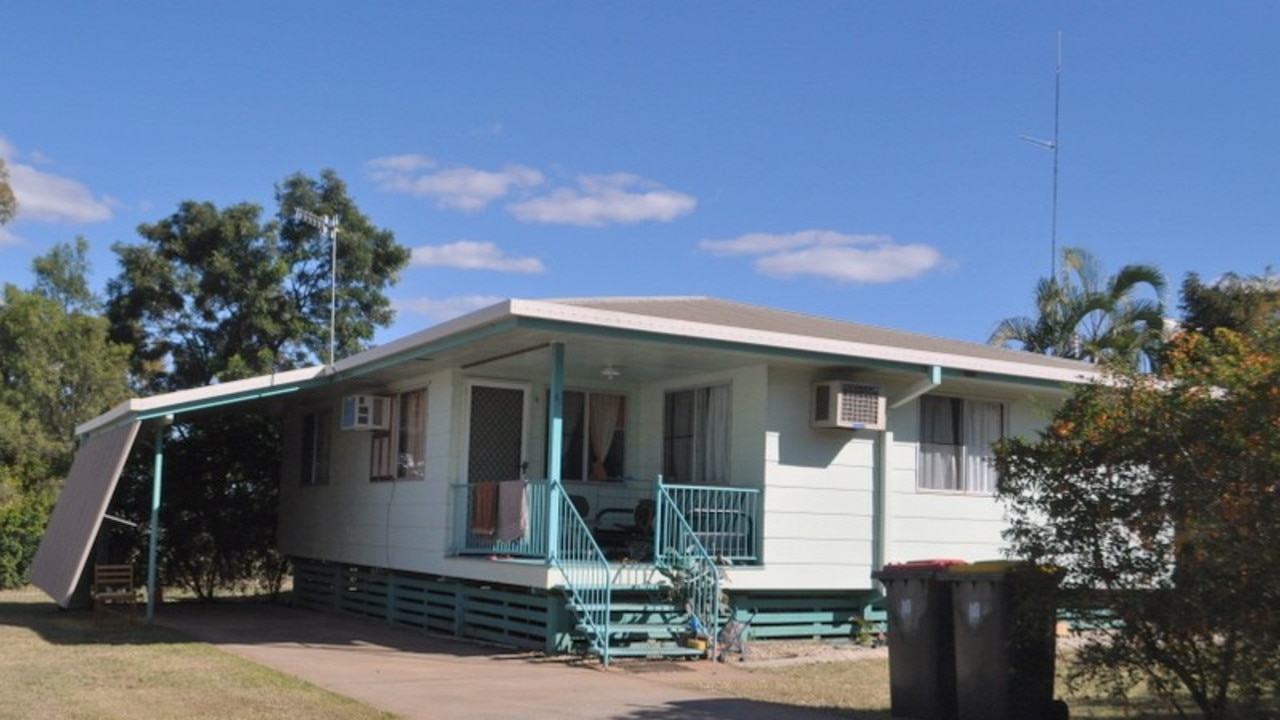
602,473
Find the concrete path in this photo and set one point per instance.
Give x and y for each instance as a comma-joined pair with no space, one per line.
421,676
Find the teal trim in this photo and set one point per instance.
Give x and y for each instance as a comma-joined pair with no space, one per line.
562,327
153,544
706,344
1058,385
419,352
555,411
219,402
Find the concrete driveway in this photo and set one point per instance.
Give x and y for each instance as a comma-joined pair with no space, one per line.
422,676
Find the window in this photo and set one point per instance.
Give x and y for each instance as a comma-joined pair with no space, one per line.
955,444
594,436
695,436
401,453
317,441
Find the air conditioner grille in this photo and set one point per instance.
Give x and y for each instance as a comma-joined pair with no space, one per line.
848,405
860,404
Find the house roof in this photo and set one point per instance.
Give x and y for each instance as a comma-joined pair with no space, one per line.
891,343
695,323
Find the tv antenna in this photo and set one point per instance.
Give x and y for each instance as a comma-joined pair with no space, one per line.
327,225
1052,145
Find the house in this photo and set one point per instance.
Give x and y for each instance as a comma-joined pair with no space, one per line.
608,472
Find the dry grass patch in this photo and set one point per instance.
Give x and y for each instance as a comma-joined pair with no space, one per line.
855,684
64,665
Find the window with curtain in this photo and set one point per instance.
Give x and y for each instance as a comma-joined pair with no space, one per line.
401,453
317,442
695,436
594,436
956,436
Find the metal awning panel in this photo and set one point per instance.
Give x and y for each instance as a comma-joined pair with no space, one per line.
75,521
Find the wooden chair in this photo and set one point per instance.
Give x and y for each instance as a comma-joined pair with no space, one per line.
113,585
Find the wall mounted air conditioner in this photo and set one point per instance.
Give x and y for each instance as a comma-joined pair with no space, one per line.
366,412
848,405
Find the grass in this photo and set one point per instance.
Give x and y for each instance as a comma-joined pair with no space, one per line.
65,665
859,690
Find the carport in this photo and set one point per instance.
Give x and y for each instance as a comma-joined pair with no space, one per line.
105,444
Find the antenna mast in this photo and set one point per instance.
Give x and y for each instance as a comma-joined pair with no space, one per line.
328,225
1053,145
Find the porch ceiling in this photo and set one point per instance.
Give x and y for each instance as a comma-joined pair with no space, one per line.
524,353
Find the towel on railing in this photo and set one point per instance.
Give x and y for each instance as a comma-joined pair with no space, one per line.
484,509
513,510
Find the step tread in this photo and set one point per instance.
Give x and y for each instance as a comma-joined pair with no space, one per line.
647,651
652,630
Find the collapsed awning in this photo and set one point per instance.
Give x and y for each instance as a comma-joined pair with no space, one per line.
75,521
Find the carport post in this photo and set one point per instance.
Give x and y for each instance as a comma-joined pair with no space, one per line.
154,544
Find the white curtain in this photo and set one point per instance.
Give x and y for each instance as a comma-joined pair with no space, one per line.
983,426
604,421
955,444
714,434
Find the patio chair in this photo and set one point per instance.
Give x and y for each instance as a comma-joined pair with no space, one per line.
622,539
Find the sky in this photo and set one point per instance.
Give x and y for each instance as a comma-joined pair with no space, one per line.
855,160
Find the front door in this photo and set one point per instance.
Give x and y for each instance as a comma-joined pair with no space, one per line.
496,434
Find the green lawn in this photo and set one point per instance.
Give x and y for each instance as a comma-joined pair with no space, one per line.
57,664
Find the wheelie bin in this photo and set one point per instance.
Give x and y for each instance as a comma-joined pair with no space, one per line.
1003,618
922,668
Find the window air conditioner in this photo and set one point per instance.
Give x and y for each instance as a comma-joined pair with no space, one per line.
847,405
366,412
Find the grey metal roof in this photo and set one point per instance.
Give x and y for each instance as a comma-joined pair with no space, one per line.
714,311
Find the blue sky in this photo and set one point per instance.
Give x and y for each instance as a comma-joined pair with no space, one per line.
847,159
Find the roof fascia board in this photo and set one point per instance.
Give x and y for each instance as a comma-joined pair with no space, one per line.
426,349
424,342
712,344
627,325
193,399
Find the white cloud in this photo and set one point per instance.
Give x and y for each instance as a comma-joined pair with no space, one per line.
456,188
47,197
473,255
825,253
446,309
606,199
8,238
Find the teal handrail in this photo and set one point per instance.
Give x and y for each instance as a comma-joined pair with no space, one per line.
695,579
588,580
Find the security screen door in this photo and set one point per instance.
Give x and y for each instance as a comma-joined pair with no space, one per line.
496,437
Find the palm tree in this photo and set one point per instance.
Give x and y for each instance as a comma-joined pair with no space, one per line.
1084,316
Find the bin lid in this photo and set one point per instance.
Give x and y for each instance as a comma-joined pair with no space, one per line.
990,566
985,570
916,568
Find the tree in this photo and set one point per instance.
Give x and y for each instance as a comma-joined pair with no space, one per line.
1160,497
215,294
1084,316
8,202
218,294
57,369
1242,304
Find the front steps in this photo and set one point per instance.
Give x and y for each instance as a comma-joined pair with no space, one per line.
642,624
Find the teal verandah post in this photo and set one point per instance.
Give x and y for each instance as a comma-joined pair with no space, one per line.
555,425
153,546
